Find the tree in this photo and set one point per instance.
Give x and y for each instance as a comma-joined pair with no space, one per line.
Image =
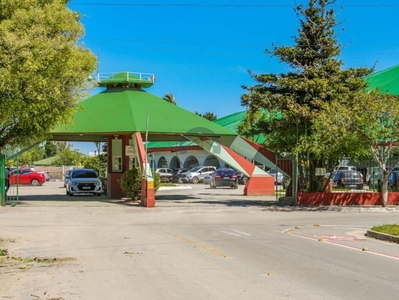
50,149
170,98
43,68
97,163
62,146
371,121
69,158
29,157
208,115
284,107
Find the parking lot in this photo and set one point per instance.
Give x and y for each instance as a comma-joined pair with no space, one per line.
53,193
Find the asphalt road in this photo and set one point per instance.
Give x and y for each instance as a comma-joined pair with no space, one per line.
195,244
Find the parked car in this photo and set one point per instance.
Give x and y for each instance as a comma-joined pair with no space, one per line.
26,176
207,179
278,176
374,178
165,174
197,174
83,181
224,177
46,175
66,177
393,181
346,168
176,173
348,179
242,178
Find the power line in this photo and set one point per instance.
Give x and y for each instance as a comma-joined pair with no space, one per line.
223,53
218,43
222,5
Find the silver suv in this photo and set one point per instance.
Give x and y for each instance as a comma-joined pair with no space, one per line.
197,174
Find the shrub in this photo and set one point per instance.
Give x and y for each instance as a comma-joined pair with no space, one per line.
157,181
131,183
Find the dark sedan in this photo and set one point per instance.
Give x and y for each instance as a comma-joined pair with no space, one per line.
224,177
348,179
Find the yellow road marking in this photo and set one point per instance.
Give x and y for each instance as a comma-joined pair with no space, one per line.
206,248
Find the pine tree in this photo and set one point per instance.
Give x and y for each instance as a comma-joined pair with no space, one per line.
285,106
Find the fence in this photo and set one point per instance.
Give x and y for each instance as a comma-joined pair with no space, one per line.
55,172
315,174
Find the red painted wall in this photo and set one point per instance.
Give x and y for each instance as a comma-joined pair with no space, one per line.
345,199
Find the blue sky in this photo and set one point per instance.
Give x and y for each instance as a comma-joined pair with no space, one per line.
201,51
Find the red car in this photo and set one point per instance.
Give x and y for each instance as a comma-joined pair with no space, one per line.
27,176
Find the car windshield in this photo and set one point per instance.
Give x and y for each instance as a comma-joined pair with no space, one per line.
84,174
225,171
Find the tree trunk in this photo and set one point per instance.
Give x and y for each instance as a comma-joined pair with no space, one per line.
384,190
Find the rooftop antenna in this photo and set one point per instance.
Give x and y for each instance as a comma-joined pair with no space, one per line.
98,64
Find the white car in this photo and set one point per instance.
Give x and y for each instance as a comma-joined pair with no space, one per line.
46,175
165,174
197,174
278,176
83,181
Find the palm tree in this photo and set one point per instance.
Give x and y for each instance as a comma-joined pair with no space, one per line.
170,98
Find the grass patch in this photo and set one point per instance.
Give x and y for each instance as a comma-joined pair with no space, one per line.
392,229
167,184
3,252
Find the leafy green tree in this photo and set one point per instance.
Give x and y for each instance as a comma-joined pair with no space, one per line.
371,121
208,115
97,163
50,149
43,68
284,107
69,157
62,146
170,98
29,157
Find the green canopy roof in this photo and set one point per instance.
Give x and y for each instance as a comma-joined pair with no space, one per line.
387,80
124,110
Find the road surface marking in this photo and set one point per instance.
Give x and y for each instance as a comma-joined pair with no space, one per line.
206,248
336,243
231,233
243,233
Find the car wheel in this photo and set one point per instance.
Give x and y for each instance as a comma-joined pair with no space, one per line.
195,180
34,182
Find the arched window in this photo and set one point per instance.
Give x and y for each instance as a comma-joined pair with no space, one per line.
175,163
212,161
191,162
162,163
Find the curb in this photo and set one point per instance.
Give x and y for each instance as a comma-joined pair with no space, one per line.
382,236
180,187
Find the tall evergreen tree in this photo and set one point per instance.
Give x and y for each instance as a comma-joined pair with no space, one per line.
285,106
